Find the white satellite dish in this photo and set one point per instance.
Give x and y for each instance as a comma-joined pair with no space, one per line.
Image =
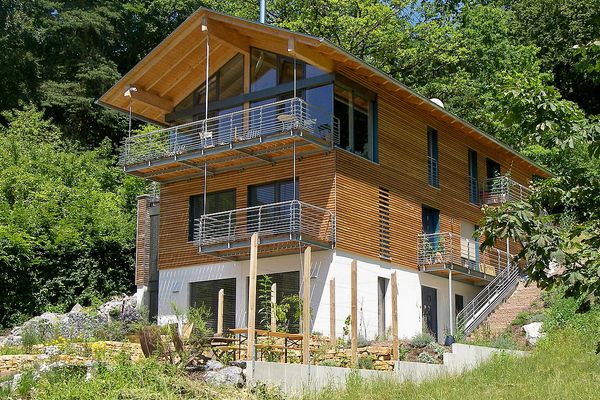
437,101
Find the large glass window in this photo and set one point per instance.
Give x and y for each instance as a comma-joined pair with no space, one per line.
288,285
215,202
268,70
355,111
206,294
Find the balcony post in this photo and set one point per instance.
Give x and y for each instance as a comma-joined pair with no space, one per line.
450,307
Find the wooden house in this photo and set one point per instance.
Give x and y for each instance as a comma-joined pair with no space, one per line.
260,129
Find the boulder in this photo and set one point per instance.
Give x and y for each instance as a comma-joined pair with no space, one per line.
533,332
213,365
123,308
229,376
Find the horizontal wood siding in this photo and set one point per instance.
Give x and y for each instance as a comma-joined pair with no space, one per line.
316,186
402,169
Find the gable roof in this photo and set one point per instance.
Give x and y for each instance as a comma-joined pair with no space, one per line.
176,66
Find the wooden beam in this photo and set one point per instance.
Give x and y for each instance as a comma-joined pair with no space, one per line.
308,54
252,297
353,317
273,307
395,349
229,36
220,313
332,336
176,63
306,306
152,99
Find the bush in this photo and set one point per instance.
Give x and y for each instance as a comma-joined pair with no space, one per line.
402,352
504,341
521,319
425,357
421,340
437,349
366,362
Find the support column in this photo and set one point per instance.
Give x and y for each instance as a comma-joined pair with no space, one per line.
220,312
306,306
252,297
450,302
332,335
395,343
353,317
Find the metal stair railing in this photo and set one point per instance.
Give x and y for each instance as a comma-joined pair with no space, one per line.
486,301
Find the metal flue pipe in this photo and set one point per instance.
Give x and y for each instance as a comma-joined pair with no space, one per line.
263,11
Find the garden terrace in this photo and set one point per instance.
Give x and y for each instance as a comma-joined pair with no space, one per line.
438,253
258,135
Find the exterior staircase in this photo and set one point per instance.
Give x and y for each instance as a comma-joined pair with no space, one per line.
486,301
520,300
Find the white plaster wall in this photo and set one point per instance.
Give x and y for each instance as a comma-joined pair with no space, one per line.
326,265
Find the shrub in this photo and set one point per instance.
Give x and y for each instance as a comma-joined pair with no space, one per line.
421,340
366,362
437,349
521,319
425,357
402,352
504,341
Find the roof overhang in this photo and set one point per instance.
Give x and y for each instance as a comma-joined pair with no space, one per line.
177,66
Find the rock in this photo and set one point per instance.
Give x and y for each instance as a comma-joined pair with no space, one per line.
229,376
533,332
121,307
78,325
51,351
15,381
213,365
77,308
238,363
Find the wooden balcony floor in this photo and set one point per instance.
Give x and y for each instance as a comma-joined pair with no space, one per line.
265,249
229,157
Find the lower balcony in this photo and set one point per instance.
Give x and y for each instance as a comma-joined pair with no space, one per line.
283,227
235,140
503,189
438,253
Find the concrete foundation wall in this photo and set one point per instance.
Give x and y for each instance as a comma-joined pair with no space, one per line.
326,265
296,378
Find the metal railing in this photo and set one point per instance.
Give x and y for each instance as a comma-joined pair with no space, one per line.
451,250
278,222
293,115
486,301
503,189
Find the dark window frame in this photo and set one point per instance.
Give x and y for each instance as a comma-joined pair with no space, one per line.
473,177
200,198
433,160
229,306
277,190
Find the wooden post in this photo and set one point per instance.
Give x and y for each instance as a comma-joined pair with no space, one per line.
306,306
252,296
273,306
332,337
220,313
353,317
394,317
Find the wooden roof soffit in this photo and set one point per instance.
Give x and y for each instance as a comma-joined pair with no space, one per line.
149,98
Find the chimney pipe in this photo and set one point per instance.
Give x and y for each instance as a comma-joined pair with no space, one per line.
263,11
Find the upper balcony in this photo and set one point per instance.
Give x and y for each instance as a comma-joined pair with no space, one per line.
263,134
440,252
281,227
503,189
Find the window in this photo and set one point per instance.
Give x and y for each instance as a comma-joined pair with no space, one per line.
492,168
355,108
288,284
206,294
268,70
473,185
430,219
432,158
459,303
227,82
270,193
215,202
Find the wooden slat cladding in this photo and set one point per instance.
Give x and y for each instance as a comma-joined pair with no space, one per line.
402,169
142,253
316,186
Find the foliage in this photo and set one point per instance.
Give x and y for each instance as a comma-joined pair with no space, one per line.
425,357
421,340
264,300
403,352
66,222
366,362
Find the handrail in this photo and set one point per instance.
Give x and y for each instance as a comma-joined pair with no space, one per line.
450,250
486,301
292,115
502,189
289,220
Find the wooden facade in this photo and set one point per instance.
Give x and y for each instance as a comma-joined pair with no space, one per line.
337,180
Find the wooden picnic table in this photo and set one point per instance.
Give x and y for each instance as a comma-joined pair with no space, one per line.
292,341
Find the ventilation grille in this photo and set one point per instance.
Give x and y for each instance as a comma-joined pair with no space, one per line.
384,224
